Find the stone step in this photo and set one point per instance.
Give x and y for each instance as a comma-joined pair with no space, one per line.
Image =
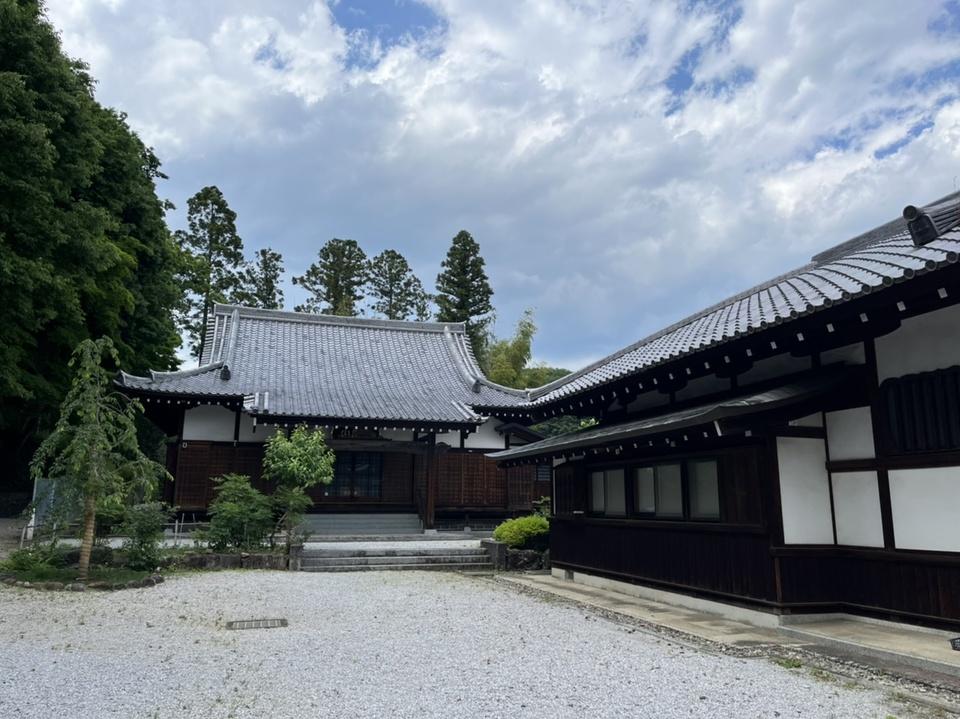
362,524
393,552
399,567
425,559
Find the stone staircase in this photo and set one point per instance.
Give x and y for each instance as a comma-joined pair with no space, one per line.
396,558
360,525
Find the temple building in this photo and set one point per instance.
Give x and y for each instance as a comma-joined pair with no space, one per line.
395,399
793,449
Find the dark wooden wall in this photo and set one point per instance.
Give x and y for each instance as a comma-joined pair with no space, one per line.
468,480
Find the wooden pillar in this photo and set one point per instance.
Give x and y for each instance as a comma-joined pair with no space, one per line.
431,466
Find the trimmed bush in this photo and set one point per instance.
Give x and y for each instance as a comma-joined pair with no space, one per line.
531,532
143,528
240,516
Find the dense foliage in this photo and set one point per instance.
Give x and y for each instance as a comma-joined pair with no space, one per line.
295,464
211,260
335,281
260,281
240,516
142,529
396,292
84,249
464,293
530,532
92,458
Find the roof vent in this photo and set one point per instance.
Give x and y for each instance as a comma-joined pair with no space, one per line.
224,373
928,223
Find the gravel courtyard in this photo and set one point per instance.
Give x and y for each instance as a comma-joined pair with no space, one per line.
377,644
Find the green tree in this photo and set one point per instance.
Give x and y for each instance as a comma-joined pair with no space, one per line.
508,360
464,293
84,248
335,281
92,458
260,281
211,260
295,464
396,291
241,517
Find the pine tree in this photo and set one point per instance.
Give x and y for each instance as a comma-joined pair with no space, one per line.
260,281
212,260
335,281
464,293
396,291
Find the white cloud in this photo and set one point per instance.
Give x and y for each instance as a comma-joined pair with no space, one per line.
550,130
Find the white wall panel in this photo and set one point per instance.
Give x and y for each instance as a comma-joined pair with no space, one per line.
486,437
922,343
856,506
804,491
850,433
926,508
209,422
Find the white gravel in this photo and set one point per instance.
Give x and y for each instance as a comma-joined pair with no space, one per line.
371,644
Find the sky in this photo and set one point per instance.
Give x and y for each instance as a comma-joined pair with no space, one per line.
622,164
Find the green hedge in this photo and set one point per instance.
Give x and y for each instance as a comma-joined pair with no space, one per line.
532,532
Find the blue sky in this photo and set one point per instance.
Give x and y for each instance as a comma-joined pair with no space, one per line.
622,164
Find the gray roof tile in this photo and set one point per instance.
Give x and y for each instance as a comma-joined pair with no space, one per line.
304,365
868,262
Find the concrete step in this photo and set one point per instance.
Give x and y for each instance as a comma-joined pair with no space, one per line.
364,561
398,567
393,552
364,524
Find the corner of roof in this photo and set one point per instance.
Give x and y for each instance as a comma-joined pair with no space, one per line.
466,360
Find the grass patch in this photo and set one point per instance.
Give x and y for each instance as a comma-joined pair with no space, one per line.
66,575
789,663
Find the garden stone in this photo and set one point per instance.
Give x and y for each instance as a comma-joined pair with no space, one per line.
98,585
147,582
77,587
157,578
133,584
53,586
118,585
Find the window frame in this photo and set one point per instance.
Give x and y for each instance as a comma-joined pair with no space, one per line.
630,481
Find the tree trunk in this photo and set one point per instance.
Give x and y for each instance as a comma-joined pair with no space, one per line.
86,544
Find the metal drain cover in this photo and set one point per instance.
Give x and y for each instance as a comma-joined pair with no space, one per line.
257,624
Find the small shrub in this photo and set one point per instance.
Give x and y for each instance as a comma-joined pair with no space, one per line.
541,507
32,558
531,532
142,528
240,516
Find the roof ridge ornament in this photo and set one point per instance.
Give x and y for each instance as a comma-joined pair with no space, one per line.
929,223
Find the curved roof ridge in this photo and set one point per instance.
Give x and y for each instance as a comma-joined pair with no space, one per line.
156,376
316,318
537,392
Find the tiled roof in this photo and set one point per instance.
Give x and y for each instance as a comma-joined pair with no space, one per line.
304,365
710,415
871,261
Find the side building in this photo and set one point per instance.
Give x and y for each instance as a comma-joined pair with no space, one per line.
395,399
795,448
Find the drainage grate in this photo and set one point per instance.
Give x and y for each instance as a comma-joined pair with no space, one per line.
257,624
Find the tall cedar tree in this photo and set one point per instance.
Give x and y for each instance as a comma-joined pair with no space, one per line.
335,280
260,281
211,260
92,458
396,291
464,293
84,248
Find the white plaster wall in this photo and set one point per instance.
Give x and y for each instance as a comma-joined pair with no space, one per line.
804,491
850,433
262,433
811,420
209,422
848,354
926,508
922,343
856,506
486,437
